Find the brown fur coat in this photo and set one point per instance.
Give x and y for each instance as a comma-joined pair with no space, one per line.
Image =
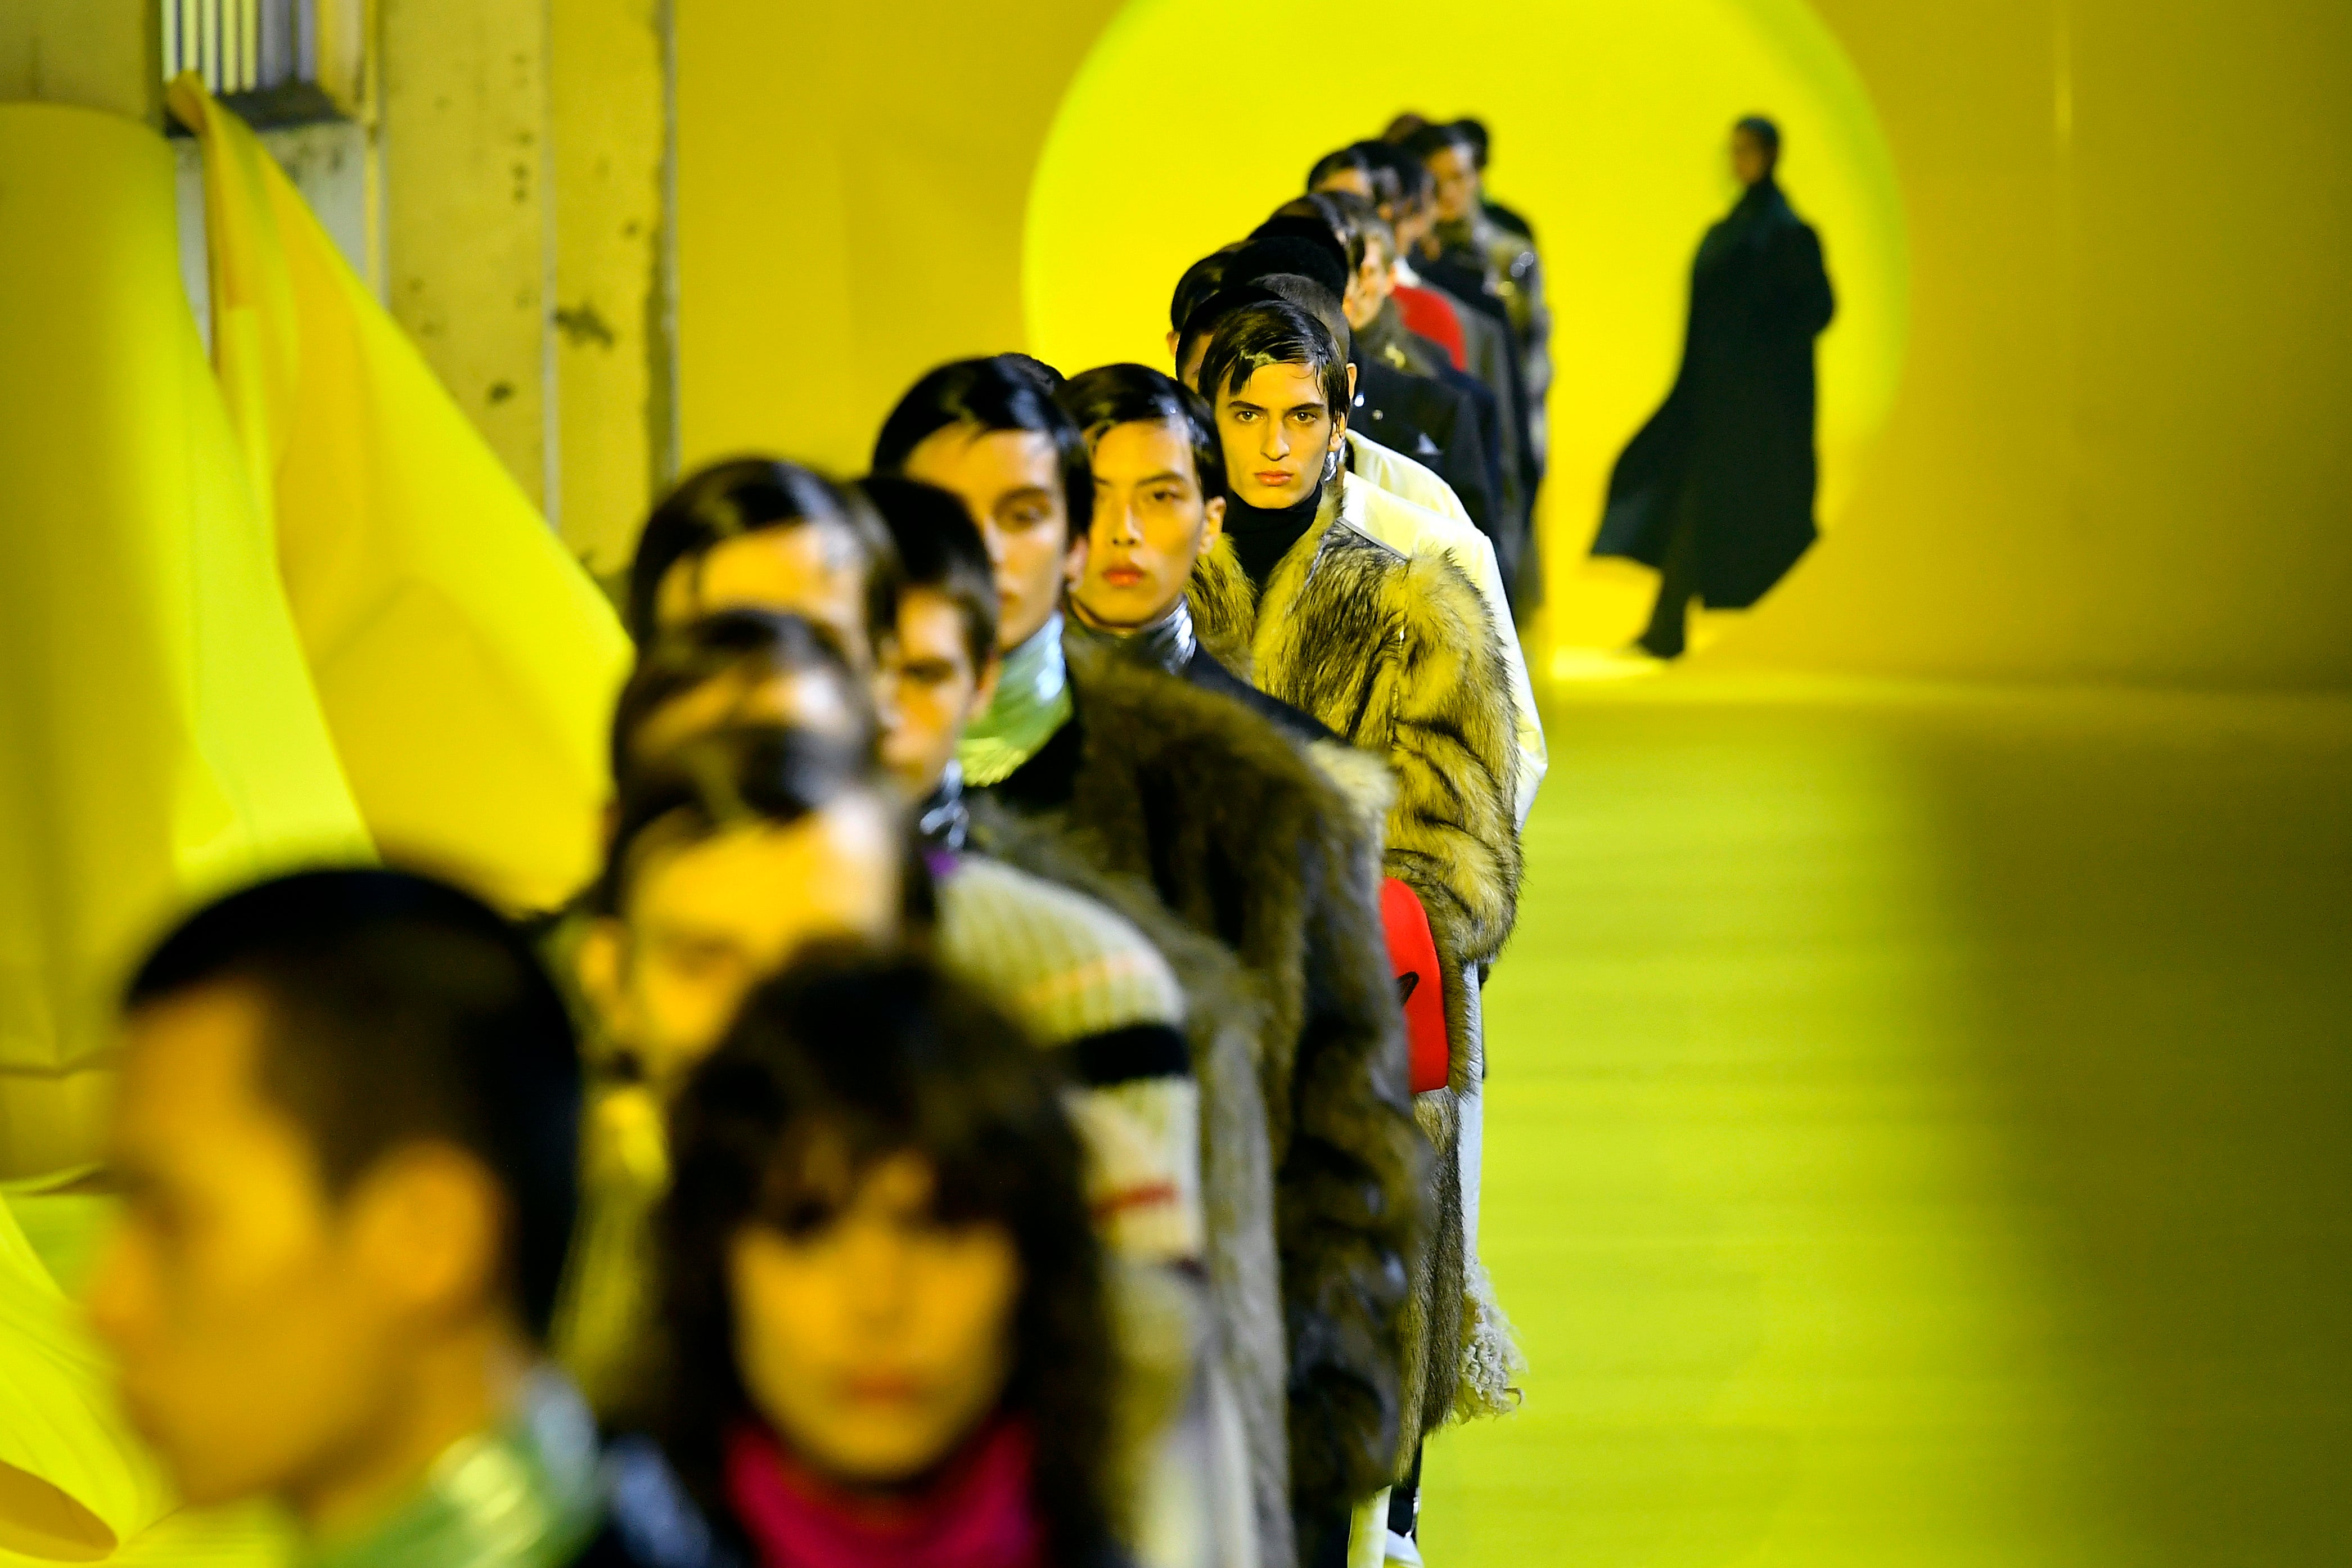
1399,655
1241,839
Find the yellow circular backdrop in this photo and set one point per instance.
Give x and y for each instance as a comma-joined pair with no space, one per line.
1191,118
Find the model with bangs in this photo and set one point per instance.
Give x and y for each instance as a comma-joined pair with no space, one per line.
885,1290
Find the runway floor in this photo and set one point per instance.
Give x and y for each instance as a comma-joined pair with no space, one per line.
1920,1133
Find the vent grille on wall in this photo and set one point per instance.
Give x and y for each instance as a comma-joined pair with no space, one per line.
276,61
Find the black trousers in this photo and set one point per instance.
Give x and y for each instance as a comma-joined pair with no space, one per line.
1677,587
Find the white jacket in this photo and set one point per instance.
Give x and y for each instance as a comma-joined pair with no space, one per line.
1405,506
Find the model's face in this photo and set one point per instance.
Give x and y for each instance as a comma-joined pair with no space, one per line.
1010,481
1278,431
1355,182
707,920
263,1327
1456,174
878,1341
813,570
938,692
1151,523
1368,287
1413,220
1750,161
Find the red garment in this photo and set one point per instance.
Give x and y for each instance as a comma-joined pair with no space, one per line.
978,1515
1431,313
1412,958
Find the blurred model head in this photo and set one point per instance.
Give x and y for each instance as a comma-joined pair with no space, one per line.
758,533
878,1258
737,849
1755,151
987,431
346,1138
948,663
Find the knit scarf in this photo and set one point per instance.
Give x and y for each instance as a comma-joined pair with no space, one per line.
978,1514
1032,701
1165,645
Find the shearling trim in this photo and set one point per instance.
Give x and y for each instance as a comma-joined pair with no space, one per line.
1361,778
1224,606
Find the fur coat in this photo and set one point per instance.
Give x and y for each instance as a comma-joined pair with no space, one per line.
1241,839
1398,654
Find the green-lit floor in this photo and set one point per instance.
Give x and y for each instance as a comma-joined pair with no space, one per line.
1920,1131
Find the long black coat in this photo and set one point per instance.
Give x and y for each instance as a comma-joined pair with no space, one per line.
1733,442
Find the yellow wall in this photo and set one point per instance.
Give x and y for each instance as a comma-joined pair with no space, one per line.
851,182
2116,449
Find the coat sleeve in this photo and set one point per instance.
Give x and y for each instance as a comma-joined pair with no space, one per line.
1350,1195
1454,742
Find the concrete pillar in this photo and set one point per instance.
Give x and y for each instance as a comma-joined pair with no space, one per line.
468,229
615,331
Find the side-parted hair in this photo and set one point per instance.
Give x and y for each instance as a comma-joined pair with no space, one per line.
1310,296
989,394
401,1011
1272,331
1474,135
941,549
746,645
1360,221
749,775
1767,133
1137,395
1413,180
844,1061
729,499
1201,279
1430,140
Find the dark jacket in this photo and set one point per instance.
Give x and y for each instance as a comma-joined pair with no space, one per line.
1732,447
1238,833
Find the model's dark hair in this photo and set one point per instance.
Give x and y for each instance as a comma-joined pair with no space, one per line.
1201,281
1472,131
940,549
1272,331
745,646
1404,127
398,1010
842,1062
1430,140
1137,395
727,499
1413,180
1767,133
739,777
1317,213
1004,392
1310,296
1345,160
1306,242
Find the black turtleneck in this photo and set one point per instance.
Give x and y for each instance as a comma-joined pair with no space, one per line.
1262,538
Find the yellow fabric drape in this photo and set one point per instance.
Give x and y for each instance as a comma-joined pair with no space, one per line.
466,664
159,735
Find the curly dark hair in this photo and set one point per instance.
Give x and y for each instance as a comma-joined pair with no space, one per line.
881,1054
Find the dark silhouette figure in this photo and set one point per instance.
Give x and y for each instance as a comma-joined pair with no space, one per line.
1716,491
